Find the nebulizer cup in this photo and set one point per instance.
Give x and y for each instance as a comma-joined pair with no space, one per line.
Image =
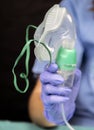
66,56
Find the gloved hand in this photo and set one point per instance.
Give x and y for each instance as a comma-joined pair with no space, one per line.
53,94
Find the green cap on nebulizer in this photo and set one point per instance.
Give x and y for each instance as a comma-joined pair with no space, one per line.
66,59
66,55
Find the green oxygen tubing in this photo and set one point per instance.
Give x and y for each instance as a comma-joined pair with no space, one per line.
26,49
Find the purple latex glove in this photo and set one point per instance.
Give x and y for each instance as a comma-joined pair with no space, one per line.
53,94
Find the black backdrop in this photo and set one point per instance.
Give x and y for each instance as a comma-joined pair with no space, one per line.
15,15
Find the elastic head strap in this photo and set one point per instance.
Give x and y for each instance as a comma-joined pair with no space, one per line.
26,49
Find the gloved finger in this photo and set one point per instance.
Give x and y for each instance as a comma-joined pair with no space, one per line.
56,90
54,79
51,99
52,68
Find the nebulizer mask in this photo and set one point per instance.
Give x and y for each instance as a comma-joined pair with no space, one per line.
54,41
57,31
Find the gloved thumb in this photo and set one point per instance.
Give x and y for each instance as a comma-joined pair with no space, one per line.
53,67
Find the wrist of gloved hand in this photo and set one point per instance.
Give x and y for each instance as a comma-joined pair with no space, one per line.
53,113
54,95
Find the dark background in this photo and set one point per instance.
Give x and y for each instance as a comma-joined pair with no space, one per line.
15,15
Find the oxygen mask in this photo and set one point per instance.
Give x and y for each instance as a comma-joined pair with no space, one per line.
56,30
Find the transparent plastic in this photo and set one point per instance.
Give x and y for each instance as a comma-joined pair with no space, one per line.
50,28
68,76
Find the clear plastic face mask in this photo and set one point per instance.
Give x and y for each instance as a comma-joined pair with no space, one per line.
64,36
